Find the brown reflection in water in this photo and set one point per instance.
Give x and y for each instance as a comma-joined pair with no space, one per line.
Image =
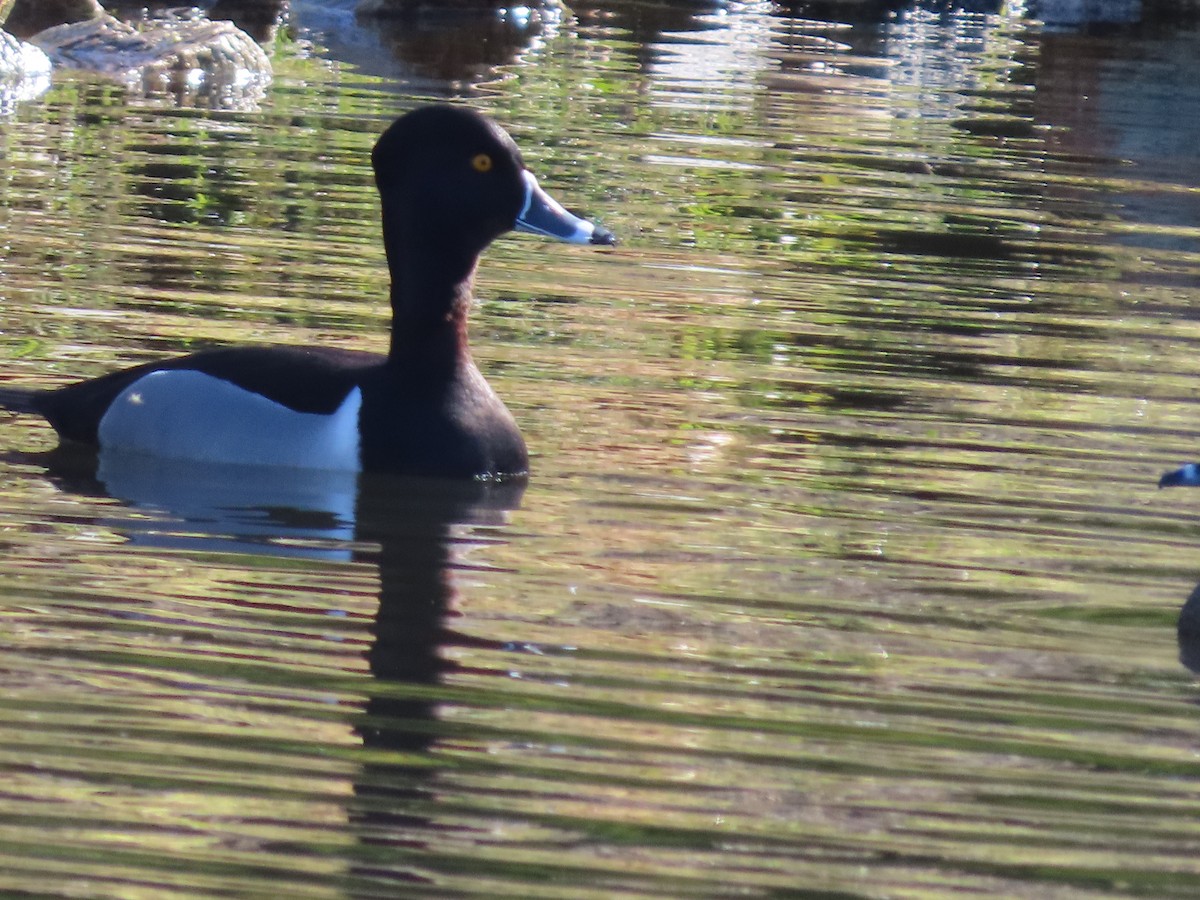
258,18
646,22
466,46
28,17
1108,101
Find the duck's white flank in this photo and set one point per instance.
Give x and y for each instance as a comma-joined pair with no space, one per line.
183,414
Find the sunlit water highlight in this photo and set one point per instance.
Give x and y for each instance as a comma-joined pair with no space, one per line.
842,568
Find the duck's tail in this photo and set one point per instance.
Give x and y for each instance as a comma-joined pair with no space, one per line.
19,400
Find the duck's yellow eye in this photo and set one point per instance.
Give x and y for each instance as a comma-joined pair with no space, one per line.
481,162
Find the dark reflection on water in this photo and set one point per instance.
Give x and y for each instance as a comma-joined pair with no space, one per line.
408,532
395,806
260,19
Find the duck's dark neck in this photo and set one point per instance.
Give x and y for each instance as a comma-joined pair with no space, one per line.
432,282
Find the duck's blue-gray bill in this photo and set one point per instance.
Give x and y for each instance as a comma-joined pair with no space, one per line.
542,214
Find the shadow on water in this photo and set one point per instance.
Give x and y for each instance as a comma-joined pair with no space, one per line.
413,531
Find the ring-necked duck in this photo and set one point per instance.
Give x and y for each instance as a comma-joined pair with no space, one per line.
450,181
1188,475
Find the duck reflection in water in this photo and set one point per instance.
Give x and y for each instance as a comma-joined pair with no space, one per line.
415,532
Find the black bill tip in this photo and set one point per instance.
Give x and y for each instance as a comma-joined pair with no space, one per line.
602,236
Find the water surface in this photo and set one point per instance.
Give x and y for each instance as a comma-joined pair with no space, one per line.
841,572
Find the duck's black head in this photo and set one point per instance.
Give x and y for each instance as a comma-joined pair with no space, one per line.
451,176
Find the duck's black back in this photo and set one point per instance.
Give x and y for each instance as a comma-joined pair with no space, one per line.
304,379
